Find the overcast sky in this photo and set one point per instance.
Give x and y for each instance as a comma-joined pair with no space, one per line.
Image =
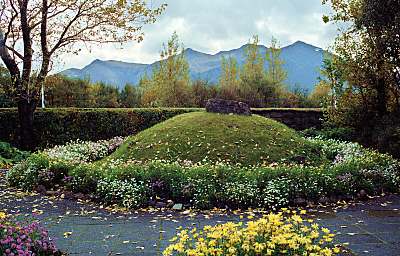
214,25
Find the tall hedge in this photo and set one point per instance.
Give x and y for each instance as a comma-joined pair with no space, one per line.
58,126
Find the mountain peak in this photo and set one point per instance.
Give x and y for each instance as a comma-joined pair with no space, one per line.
303,44
191,51
96,61
298,42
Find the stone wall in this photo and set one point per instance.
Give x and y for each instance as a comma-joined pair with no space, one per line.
228,107
298,119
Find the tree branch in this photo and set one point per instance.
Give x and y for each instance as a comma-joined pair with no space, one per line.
9,61
43,42
19,55
26,37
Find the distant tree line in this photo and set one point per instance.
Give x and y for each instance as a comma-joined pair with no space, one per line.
169,84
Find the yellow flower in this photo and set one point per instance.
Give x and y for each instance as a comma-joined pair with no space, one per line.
246,247
259,247
212,243
315,226
232,250
67,234
297,218
325,230
3,215
336,250
271,234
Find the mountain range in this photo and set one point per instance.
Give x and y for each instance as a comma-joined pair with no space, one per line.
302,62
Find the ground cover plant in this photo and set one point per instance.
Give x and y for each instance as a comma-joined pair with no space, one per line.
10,155
24,238
273,234
337,170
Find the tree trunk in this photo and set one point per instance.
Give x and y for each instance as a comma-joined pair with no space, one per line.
381,97
26,111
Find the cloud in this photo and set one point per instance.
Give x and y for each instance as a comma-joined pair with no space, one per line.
214,25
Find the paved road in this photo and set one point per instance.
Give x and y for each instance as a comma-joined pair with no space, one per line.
370,228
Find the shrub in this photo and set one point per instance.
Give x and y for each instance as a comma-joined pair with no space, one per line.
84,151
52,166
129,193
22,238
331,132
59,126
276,193
273,234
10,155
237,194
26,174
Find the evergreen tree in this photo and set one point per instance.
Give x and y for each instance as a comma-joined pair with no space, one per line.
103,95
61,91
202,91
129,97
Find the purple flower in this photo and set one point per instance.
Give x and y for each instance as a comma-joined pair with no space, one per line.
25,239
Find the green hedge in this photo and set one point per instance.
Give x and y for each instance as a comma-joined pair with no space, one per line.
58,126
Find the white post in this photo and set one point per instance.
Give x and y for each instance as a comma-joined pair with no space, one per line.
42,93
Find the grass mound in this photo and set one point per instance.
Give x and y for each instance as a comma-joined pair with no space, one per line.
198,136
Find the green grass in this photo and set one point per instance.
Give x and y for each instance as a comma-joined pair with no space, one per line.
248,140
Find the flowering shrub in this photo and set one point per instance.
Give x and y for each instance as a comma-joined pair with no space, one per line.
338,151
51,166
240,193
24,239
273,234
276,193
129,193
84,151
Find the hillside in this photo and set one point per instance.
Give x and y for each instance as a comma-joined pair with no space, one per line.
302,62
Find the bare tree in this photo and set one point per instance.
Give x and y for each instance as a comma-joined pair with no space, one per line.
33,33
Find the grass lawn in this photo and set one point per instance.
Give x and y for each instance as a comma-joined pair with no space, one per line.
196,136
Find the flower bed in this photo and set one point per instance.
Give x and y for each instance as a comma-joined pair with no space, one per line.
345,171
24,239
273,234
51,166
